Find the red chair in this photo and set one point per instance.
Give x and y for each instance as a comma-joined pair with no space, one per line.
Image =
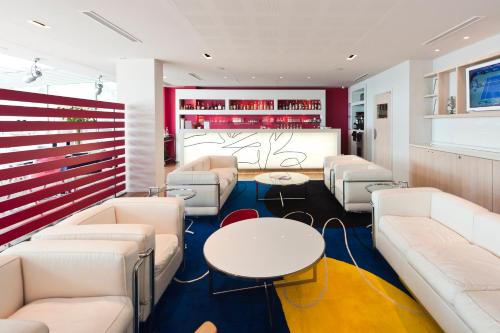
239,215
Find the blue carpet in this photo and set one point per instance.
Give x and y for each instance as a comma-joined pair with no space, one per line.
184,307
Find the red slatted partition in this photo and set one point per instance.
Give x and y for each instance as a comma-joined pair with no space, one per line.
58,155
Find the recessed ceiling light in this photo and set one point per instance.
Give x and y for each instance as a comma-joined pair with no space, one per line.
281,77
164,77
308,77
207,56
437,50
225,77
466,37
253,77
351,57
39,24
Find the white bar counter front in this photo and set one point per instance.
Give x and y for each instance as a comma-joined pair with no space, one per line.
261,148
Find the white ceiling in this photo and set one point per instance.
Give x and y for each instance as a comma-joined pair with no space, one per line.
261,38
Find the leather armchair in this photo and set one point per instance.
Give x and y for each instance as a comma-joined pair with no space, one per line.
212,177
331,161
351,180
67,286
152,223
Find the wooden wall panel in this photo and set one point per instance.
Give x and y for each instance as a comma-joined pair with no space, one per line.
496,186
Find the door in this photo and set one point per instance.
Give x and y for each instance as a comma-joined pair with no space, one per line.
382,131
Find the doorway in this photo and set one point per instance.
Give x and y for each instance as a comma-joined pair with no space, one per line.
382,131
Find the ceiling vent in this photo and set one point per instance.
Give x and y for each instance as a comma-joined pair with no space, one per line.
359,78
454,29
195,76
110,25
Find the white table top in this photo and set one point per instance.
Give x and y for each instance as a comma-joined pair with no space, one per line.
282,178
264,248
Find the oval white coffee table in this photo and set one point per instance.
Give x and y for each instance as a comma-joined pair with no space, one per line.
263,249
281,179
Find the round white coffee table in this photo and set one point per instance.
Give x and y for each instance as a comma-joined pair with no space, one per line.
281,179
263,249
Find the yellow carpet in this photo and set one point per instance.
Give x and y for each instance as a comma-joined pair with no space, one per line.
351,305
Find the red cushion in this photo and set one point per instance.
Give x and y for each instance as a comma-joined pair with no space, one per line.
239,215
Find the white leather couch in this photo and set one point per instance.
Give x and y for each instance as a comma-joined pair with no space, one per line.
67,286
152,223
347,176
212,177
447,252
329,164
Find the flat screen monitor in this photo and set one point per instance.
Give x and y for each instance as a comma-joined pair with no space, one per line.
483,86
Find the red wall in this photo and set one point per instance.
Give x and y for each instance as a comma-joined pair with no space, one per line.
336,107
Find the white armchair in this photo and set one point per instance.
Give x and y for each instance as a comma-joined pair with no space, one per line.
156,225
351,180
212,177
331,161
67,286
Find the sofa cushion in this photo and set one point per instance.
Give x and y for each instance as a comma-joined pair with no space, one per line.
166,246
88,314
452,269
226,176
455,213
480,310
485,232
407,233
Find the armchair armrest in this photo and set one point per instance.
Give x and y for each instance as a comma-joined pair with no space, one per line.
11,282
22,326
402,202
192,178
369,172
142,234
76,268
223,162
340,168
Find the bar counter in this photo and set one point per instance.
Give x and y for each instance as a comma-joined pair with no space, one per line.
261,148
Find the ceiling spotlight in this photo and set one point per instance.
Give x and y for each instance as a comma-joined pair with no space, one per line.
35,72
281,77
466,37
39,24
437,50
253,77
308,77
225,77
351,57
207,56
98,86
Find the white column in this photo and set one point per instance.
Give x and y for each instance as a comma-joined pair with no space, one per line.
140,88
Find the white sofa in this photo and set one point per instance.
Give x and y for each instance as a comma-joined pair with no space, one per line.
152,223
347,176
447,252
67,286
212,177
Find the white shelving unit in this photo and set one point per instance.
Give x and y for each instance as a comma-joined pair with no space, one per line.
357,104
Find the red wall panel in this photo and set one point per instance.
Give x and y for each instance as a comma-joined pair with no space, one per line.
56,159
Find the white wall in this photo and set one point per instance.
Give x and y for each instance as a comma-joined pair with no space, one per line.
475,133
397,81
140,88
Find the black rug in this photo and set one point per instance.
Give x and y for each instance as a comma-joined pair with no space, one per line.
320,203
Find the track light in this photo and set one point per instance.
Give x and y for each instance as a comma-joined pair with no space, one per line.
98,86
35,72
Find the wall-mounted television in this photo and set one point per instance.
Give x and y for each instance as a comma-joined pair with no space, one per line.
483,86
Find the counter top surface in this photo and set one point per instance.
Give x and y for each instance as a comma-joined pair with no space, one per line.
490,155
253,130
